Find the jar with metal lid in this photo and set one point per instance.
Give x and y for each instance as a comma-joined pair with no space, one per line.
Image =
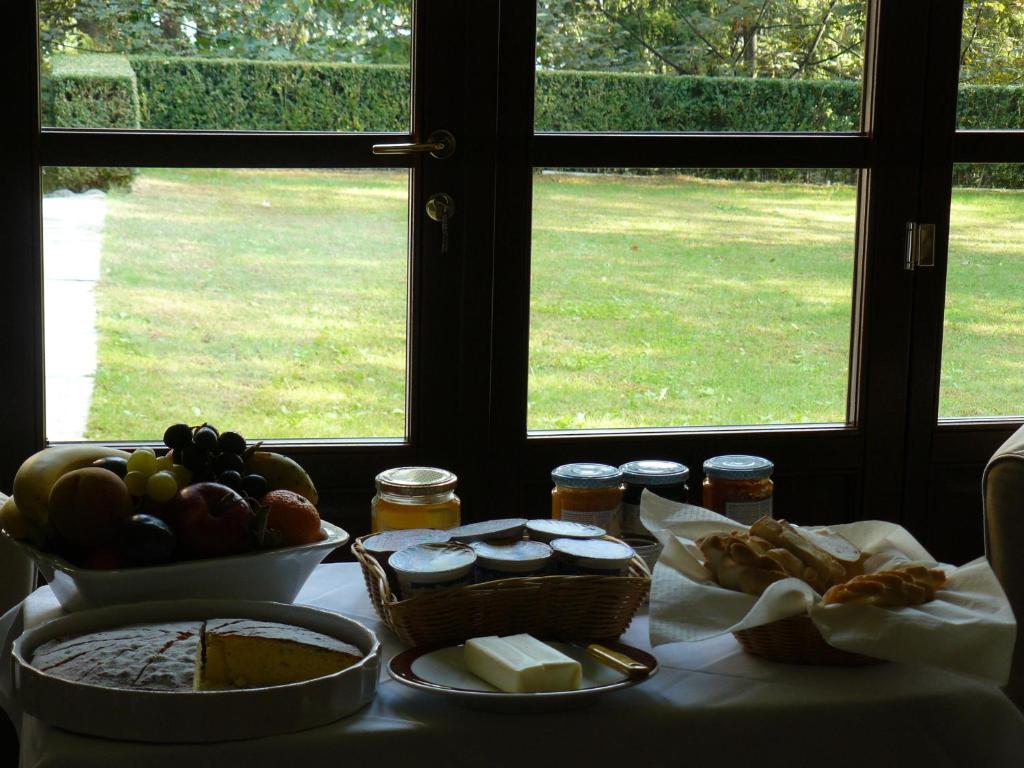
667,479
415,497
587,493
739,487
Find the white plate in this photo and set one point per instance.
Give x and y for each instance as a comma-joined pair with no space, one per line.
271,574
443,672
173,716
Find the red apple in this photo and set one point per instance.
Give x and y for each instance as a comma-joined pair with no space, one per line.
210,520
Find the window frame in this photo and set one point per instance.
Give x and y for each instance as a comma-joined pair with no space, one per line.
469,323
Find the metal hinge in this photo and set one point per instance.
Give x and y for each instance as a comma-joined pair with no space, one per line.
920,246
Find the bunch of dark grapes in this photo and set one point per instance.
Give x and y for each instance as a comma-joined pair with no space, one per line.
214,456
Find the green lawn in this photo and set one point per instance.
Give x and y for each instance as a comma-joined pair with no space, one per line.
274,302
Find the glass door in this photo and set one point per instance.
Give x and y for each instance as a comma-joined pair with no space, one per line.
968,344
708,255
249,214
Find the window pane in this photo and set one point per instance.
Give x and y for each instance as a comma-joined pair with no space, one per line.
674,300
268,301
723,65
991,63
983,334
268,65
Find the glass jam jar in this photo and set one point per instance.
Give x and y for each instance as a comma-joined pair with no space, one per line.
415,497
739,487
668,479
587,493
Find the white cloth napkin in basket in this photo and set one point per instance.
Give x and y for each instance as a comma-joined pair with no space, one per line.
968,628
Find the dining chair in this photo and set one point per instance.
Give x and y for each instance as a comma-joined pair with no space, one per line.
1003,508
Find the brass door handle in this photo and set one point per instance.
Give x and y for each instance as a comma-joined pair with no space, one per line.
439,144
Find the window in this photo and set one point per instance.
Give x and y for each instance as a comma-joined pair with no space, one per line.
675,234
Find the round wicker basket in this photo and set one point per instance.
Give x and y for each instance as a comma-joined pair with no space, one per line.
796,640
551,607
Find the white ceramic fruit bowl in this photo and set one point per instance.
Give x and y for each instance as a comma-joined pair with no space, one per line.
273,574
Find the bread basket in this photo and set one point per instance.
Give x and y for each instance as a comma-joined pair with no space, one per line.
796,640
553,607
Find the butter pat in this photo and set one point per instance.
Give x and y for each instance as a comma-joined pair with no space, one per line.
521,664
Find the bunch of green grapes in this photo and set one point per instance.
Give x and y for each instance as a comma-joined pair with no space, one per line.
155,477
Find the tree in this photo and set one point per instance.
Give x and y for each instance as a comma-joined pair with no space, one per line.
992,47
753,38
374,31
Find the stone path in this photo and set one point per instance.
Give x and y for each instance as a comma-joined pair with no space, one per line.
72,240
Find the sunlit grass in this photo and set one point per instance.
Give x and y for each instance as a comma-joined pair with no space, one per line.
268,301
983,335
274,302
694,303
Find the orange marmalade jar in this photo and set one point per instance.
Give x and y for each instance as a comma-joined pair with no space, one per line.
739,487
588,493
415,497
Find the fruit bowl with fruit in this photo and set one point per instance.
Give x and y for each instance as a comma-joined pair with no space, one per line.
211,516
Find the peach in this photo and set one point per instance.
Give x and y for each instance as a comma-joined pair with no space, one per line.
87,506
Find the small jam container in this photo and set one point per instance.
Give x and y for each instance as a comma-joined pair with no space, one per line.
587,493
739,487
667,479
510,559
383,545
488,530
549,530
592,557
428,567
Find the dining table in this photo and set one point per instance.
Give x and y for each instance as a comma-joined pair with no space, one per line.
708,704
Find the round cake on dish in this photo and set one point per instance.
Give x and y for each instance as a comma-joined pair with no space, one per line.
215,654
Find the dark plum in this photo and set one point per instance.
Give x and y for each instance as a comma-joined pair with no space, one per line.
116,464
146,540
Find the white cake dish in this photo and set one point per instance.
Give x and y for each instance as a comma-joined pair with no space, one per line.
176,716
270,574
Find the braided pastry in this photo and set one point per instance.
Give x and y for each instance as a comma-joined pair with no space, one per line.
772,550
906,585
827,569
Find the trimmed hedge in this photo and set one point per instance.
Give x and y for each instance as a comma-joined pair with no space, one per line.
89,91
228,94
593,101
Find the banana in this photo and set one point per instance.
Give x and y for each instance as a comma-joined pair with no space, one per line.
18,526
281,473
41,470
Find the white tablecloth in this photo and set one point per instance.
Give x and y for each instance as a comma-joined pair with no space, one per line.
710,704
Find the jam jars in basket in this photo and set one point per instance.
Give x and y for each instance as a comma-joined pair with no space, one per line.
667,479
415,497
739,487
587,493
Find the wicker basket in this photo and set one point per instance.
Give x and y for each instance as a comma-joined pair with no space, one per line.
796,640
554,607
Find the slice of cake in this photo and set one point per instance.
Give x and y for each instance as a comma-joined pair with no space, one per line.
147,657
243,653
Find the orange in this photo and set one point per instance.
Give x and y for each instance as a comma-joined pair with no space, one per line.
294,516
